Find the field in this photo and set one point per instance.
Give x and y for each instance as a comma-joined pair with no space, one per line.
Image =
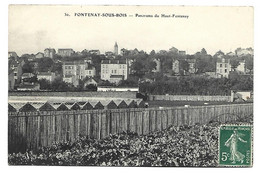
195,145
168,103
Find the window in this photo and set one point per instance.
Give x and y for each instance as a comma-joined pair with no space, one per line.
220,70
112,71
220,65
115,71
225,70
226,65
89,72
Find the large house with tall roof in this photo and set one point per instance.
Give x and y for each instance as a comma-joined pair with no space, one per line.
114,70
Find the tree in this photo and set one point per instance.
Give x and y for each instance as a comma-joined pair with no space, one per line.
234,63
45,84
27,68
59,85
203,51
152,53
91,87
205,64
250,64
173,50
184,67
132,81
57,67
143,64
45,64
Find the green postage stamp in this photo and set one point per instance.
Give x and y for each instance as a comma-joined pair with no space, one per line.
235,145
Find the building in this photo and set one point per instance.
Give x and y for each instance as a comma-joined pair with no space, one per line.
65,52
212,74
130,63
124,52
109,54
115,49
243,52
114,70
71,79
11,80
241,96
158,66
191,63
49,76
241,68
176,66
49,52
223,67
182,52
94,52
177,69
73,71
39,55
91,81
31,57
88,60
89,71
231,54
116,78
27,76
16,66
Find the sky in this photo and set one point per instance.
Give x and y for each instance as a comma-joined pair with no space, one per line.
32,28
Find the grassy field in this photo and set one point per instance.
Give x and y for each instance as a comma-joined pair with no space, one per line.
168,103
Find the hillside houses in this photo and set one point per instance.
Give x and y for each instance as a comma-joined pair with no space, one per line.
65,52
224,67
90,67
49,52
176,66
73,71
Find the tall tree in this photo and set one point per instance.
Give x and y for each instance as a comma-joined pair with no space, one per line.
234,64
27,68
250,64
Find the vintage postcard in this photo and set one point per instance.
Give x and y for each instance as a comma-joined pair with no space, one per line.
127,86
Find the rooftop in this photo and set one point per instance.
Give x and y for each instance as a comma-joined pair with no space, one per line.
113,61
223,60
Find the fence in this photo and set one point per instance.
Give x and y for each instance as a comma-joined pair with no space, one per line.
190,98
31,130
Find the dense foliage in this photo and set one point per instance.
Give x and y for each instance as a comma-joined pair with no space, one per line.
176,146
197,85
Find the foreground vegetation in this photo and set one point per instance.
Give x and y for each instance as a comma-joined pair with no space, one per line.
195,145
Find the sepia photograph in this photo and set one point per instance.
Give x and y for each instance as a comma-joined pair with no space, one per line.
130,86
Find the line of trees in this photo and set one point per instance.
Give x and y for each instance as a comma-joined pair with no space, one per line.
197,85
